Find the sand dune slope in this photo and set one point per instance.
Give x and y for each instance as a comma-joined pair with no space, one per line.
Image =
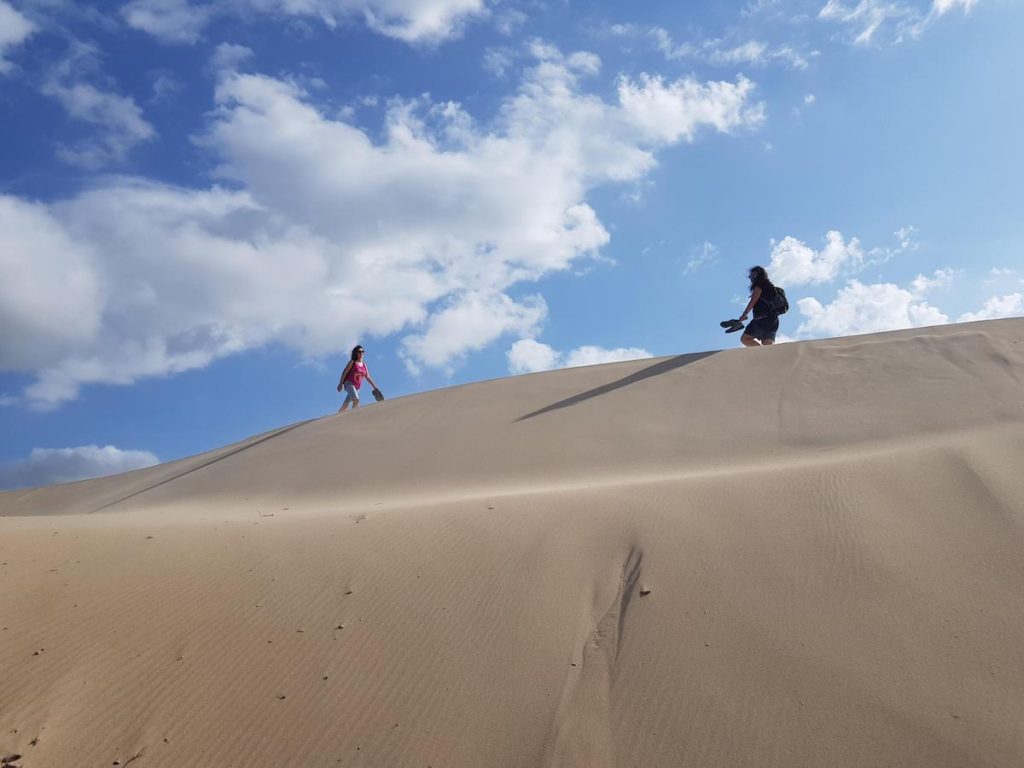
811,555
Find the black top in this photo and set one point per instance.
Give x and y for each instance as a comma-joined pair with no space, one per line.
762,308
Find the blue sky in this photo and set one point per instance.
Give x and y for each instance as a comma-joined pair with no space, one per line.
205,204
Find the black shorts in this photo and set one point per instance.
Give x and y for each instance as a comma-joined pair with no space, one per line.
762,328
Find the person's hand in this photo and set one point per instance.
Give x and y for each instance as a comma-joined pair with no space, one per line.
339,386
743,318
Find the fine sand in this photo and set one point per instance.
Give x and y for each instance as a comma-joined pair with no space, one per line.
811,555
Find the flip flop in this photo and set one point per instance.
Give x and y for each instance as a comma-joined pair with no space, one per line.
733,326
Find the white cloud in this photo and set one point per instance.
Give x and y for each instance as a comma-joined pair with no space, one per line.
868,16
671,112
471,322
329,235
119,119
509,21
756,7
716,51
14,30
228,57
530,356
182,21
173,21
905,235
50,295
892,20
1000,275
939,279
943,6
499,61
1011,305
165,87
860,308
591,355
701,256
795,263
46,466
119,116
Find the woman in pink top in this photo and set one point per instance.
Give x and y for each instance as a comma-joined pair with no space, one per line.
352,378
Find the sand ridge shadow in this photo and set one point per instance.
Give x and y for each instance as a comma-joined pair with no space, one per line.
246,445
655,370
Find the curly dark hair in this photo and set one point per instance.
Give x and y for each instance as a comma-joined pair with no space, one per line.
759,279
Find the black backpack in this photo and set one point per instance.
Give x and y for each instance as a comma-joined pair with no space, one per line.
779,303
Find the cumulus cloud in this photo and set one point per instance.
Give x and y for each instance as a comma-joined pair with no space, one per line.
531,356
922,284
183,21
51,293
324,234
46,466
1011,305
860,308
674,111
795,263
471,322
14,30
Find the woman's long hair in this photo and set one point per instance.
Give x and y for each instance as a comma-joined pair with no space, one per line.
759,279
355,350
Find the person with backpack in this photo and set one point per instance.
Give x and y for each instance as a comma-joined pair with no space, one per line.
767,302
352,378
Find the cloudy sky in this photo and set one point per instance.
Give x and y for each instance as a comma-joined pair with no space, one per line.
204,204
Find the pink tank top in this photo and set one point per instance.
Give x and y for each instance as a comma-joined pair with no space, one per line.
356,374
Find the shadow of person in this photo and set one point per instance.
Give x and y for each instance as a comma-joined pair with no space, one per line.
655,370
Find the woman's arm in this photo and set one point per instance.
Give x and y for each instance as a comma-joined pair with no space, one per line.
341,381
372,382
754,297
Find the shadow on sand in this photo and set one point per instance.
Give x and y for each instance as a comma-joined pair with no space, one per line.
655,370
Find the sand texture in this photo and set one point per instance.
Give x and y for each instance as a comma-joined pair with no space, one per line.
811,555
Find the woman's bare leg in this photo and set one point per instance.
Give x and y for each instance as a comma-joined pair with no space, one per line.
749,341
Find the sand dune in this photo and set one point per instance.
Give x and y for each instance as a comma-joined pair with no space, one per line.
811,555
